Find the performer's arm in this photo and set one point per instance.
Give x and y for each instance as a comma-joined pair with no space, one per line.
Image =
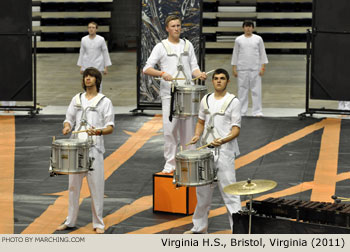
234,59
234,70
66,128
81,54
106,58
198,132
157,73
100,132
200,75
70,118
233,134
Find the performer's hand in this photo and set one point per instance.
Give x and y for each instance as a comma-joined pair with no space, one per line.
235,73
262,71
105,71
217,142
66,130
167,77
93,131
81,71
194,140
203,76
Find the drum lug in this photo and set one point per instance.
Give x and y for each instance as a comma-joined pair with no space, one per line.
175,179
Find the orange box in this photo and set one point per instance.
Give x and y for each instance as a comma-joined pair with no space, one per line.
169,198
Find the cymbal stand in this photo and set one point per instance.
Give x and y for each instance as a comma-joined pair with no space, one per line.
250,212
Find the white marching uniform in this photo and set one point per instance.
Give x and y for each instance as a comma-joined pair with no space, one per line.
94,53
223,120
344,105
100,115
8,103
248,55
170,58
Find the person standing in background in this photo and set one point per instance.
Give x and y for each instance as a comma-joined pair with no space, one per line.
94,51
248,61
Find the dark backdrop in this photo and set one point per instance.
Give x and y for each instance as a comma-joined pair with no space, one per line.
16,50
330,60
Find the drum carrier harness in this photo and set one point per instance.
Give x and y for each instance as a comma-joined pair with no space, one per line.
180,69
83,120
210,132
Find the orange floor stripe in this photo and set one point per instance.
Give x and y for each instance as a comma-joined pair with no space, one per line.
56,213
7,173
331,131
120,215
327,164
222,210
275,145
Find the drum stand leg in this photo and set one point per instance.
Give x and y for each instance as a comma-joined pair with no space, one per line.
250,212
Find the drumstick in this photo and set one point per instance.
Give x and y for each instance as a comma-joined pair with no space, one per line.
204,146
159,78
189,144
205,73
81,131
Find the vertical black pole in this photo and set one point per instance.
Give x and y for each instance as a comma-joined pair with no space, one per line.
308,47
34,73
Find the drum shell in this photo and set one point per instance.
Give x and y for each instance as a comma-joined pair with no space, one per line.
187,99
70,156
194,170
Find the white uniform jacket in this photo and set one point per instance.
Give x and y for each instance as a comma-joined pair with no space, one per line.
94,53
101,117
223,123
169,64
249,53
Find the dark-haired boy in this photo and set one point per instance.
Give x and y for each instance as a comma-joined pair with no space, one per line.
95,112
219,123
248,61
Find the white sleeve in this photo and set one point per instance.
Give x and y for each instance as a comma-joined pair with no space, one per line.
201,114
193,59
106,58
235,113
263,57
108,113
154,58
234,59
81,53
71,113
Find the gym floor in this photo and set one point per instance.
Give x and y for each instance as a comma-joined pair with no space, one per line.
307,158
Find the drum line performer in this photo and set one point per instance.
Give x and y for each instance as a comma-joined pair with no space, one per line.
96,115
176,59
219,122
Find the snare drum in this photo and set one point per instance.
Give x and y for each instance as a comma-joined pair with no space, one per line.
187,99
194,168
69,156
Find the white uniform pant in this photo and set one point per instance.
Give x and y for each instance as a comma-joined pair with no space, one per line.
180,130
96,184
226,175
249,80
8,103
344,105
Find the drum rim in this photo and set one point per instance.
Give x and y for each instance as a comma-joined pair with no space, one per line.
191,87
70,143
204,153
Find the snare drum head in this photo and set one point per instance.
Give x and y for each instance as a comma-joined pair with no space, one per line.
70,142
194,154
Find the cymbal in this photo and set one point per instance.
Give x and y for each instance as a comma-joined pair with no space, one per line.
250,187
